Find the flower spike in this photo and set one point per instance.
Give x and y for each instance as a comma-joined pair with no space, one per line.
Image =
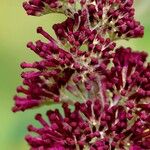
61,71
103,89
90,127
112,18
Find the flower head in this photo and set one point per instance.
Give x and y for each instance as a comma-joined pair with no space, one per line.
113,18
115,115
108,86
70,70
90,126
42,7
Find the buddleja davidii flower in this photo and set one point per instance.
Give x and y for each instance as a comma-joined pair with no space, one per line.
129,75
43,82
74,31
91,51
73,131
117,118
126,84
112,18
67,7
90,126
42,7
61,69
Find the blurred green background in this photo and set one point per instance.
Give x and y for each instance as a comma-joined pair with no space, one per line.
16,29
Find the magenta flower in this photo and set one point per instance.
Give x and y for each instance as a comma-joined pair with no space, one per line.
62,70
104,89
91,126
42,7
113,18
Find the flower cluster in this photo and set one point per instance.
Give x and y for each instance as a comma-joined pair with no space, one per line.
91,126
113,18
61,70
107,86
42,7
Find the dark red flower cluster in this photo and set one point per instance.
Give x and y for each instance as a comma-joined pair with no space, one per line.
112,18
91,126
115,18
42,7
107,86
61,70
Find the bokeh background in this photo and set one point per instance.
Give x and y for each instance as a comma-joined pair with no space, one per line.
16,29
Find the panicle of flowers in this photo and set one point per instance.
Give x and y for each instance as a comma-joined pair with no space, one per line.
42,7
113,18
63,70
108,86
116,117
90,126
